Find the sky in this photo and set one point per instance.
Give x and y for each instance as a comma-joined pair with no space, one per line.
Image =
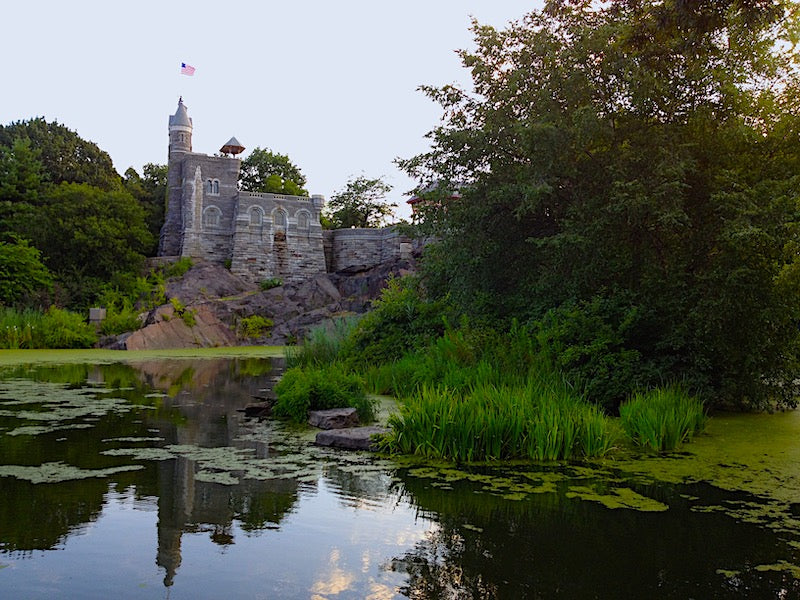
333,85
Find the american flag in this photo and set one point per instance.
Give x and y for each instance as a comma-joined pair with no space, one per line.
187,69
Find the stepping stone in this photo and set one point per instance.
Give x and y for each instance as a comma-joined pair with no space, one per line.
353,438
333,418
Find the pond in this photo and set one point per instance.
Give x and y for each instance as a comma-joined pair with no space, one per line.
137,476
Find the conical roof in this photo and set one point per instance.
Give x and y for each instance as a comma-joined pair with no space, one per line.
181,117
232,146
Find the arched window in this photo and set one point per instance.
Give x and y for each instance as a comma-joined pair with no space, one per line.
256,216
212,216
280,218
302,220
215,187
209,187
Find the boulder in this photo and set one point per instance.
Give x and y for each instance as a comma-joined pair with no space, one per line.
353,438
333,418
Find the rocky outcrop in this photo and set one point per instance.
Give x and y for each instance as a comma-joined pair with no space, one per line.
217,302
354,438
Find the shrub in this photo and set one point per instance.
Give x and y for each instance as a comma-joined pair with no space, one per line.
401,320
272,282
120,320
301,390
588,343
178,268
65,329
254,326
663,418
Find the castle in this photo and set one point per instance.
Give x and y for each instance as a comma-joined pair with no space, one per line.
258,236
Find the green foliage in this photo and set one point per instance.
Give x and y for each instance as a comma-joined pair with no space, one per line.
55,328
588,343
186,314
22,273
360,204
303,389
645,153
120,320
254,326
65,156
541,420
150,191
323,344
267,171
272,282
402,319
178,268
663,418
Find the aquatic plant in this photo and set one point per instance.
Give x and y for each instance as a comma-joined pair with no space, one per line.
541,420
303,389
663,418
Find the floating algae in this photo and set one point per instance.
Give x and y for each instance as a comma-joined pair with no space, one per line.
620,497
56,472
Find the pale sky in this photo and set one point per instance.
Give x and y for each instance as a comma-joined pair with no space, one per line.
331,84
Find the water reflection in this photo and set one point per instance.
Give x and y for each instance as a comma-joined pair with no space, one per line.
150,473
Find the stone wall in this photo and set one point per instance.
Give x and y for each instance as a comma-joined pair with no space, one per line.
277,236
359,249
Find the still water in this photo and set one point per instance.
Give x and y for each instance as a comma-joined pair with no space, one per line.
142,479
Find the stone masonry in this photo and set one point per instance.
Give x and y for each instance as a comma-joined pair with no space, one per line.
259,236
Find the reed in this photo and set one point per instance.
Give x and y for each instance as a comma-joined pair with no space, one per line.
312,388
663,418
323,345
542,420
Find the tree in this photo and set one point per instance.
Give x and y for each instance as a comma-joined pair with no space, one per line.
64,155
22,273
360,204
89,236
637,159
150,190
270,172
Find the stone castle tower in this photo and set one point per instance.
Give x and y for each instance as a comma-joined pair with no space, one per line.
259,236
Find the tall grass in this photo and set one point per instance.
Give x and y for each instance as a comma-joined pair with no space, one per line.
55,328
323,344
663,418
312,388
542,420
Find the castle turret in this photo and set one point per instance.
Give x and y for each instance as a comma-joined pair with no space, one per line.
180,144
180,130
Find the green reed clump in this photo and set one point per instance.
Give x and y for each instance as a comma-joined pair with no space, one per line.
312,388
323,344
663,418
541,420
55,328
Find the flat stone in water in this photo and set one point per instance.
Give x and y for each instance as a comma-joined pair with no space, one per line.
352,438
333,418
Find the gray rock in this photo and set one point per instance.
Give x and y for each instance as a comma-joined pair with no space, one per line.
353,438
334,418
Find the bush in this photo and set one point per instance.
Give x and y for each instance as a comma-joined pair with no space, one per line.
662,419
254,326
178,268
65,329
401,320
588,342
301,390
272,282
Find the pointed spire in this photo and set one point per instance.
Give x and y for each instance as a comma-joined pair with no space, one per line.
181,117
